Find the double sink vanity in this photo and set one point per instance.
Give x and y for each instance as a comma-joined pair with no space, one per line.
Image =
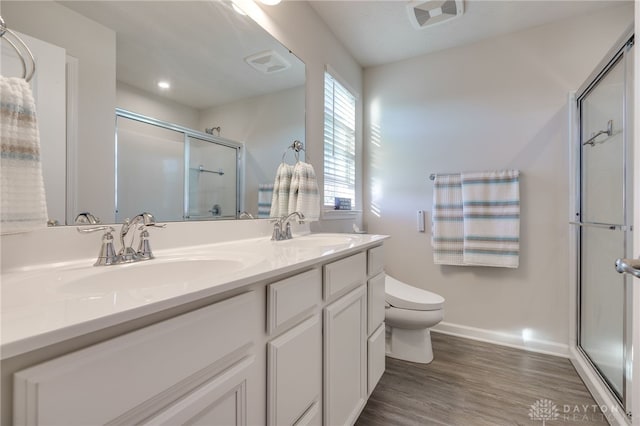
240,331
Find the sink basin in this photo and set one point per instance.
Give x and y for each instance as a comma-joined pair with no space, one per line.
322,241
146,280
152,274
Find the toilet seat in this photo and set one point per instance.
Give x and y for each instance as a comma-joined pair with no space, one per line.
404,296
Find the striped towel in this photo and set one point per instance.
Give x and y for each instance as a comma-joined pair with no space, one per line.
23,205
491,205
281,188
447,234
265,196
304,196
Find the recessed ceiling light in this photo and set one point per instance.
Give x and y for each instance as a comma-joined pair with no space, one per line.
270,2
164,85
237,9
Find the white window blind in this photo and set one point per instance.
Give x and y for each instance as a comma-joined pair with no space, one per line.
339,142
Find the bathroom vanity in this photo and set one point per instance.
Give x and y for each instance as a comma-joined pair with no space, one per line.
241,332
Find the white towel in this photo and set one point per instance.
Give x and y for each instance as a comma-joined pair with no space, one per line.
304,196
23,205
281,188
447,219
491,204
265,196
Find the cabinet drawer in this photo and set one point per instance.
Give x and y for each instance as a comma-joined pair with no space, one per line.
375,302
375,261
344,275
126,379
290,300
376,357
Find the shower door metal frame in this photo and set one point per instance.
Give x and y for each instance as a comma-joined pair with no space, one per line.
188,133
615,55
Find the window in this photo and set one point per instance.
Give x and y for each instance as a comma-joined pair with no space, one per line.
339,142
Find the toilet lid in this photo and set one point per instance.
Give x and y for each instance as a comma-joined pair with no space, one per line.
404,296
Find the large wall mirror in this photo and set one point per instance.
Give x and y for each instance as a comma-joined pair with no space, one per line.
179,108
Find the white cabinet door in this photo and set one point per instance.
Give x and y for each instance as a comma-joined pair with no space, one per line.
345,358
220,401
376,357
295,374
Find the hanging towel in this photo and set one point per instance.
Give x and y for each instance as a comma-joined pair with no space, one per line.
265,196
491,204
281,188
23,205
304,196
447,219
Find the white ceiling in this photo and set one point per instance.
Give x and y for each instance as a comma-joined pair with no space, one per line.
378,32
198,46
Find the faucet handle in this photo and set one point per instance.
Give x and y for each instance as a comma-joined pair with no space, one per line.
152,225
107,254
106,228
287,232
144,248
277,232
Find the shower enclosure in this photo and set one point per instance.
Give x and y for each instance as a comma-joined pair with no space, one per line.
174,172
603,219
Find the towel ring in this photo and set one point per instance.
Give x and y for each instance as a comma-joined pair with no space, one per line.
21,49
296,146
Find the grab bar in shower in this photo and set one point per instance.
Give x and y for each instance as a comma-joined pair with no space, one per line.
603,226
592,140
201,169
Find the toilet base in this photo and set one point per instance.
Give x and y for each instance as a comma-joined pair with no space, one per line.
409,345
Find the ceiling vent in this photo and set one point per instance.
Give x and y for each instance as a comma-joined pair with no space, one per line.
424,14
267,62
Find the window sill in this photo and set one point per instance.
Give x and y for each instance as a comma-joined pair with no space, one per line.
340,214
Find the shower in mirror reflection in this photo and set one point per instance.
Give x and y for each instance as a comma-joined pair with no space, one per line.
114,64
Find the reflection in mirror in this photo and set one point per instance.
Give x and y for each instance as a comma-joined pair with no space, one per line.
177,173
114,55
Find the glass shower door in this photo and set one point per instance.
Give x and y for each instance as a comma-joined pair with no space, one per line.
211,181
604,231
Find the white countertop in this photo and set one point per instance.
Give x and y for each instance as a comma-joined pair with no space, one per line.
48,303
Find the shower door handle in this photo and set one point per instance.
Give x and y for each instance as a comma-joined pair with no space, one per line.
629,266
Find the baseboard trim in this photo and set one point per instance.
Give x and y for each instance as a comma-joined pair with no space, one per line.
503,339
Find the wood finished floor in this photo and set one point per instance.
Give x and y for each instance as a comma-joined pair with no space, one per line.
472,383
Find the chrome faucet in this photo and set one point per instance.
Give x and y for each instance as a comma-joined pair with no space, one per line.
127,254
86,218
282,227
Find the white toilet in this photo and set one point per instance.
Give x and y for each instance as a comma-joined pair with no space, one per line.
410,313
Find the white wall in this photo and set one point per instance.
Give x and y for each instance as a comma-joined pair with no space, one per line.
296,25
145,103
276,120
96,53
500,103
